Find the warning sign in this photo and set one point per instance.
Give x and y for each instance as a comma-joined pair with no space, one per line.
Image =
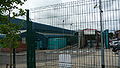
65,61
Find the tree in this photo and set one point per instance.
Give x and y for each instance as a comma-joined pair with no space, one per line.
9,9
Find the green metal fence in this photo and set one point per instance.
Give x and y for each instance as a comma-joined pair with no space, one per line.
90,45
74,36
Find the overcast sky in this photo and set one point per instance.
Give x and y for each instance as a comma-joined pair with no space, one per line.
39,3
79,21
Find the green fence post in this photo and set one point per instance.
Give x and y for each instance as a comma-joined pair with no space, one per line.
30,44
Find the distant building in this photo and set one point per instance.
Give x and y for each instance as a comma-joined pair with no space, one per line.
89,38
46,36
117,34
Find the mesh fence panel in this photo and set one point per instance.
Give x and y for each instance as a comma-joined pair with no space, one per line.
82,19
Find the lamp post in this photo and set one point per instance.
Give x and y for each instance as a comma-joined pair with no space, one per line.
102,45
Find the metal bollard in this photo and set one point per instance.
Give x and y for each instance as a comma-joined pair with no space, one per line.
7,65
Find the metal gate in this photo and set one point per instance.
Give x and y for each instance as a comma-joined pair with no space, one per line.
77,34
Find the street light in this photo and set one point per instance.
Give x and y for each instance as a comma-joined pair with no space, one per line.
101,27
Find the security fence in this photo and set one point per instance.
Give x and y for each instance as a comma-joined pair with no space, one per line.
77,34
89,22
18,61
79,58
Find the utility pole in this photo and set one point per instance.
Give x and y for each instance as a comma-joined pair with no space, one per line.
102,43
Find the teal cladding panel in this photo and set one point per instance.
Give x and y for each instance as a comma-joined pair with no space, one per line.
56,43
39,44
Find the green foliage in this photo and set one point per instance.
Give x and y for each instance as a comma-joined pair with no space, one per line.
8,5
11,30
10,41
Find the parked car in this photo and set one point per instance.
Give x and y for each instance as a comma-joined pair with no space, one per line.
115,45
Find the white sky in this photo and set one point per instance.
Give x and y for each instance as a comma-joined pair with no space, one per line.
39,3
109,15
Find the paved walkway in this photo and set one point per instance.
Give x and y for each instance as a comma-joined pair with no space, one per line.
80,59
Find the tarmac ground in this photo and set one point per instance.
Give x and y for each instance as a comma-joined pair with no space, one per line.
85,58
